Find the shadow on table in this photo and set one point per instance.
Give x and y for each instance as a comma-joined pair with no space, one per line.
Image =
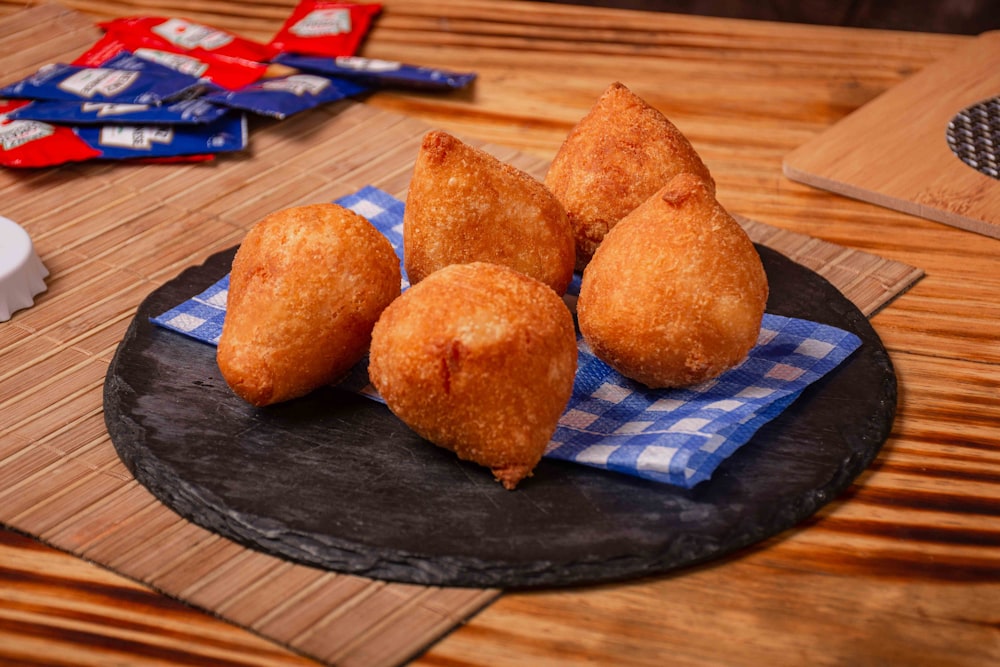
968,17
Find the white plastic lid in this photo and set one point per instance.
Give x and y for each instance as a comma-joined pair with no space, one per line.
22,274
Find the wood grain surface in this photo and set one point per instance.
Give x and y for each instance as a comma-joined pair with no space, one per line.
903,569
893,151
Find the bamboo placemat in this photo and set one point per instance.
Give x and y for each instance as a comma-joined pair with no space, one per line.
110,234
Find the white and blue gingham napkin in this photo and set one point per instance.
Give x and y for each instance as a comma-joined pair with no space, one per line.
675,436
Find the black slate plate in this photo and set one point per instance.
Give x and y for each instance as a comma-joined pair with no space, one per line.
336,481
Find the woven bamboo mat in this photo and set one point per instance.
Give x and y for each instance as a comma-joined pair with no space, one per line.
111,234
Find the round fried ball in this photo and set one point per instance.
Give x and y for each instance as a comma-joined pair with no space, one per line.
479,359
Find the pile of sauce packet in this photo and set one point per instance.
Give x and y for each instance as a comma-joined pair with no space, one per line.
157,89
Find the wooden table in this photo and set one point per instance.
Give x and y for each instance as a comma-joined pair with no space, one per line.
904,568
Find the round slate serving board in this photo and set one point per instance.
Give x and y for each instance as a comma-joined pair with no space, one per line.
336,481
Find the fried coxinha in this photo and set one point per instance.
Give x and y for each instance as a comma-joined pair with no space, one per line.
479,355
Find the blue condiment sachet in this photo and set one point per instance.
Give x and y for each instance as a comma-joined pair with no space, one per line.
124,79
184,112
126,142
379,73
284,96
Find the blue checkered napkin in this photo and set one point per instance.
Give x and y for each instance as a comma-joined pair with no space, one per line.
680,436
200,317
676,436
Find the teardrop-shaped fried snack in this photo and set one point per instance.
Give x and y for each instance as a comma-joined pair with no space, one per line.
306,287
614,159
464,205
478,359
675,294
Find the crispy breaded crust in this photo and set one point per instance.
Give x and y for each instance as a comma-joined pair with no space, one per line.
479,359
676,292
613,160
464,205
306,287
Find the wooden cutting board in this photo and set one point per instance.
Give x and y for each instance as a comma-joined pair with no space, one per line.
893,151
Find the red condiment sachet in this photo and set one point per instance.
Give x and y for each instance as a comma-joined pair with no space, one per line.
30,143
324,28
224,71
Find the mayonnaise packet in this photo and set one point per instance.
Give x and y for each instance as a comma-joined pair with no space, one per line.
196,110
379,73
281,97
30,143
123,142
324,28
123,79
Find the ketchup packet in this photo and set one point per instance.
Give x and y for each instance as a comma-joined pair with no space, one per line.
123,142
30,143
224,72
384,73
324,28
183,112
182,35
283,96
124,78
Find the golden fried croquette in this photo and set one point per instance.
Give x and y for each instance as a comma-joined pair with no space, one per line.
479,359
306,287
675,294
614,159
464,205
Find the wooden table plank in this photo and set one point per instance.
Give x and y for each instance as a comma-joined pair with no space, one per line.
893,150
903,569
